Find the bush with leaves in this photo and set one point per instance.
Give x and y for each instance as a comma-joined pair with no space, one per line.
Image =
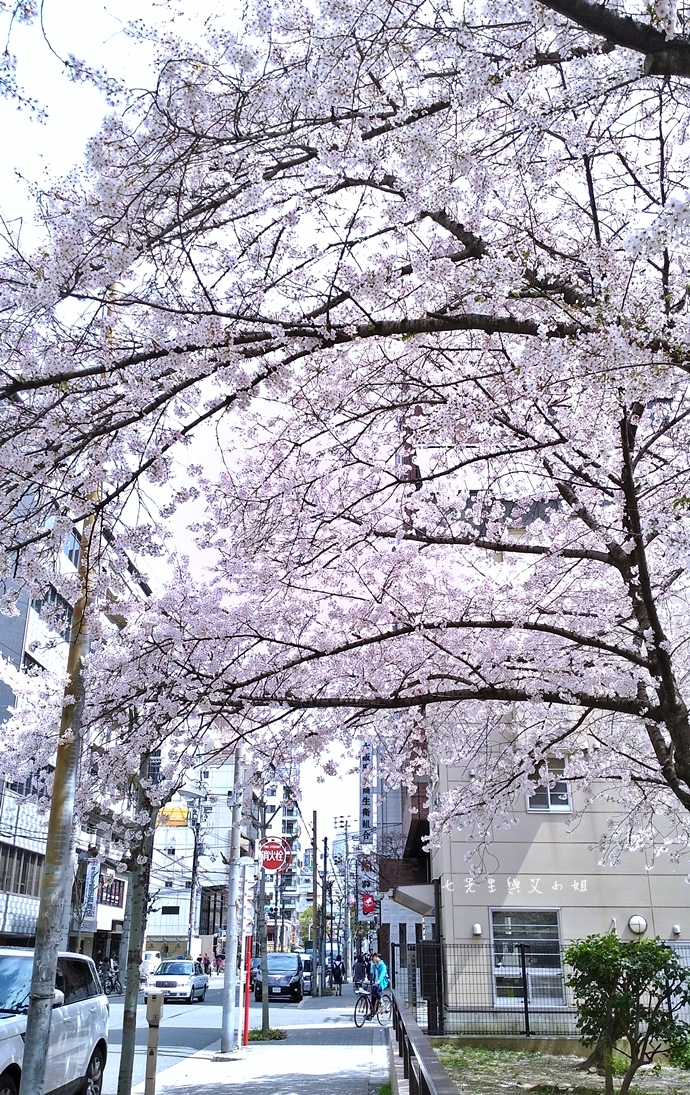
633,991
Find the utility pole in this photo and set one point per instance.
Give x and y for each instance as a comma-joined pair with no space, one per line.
323,914
330,933
196,825
346,923
343,823
228,1023
263,934
59,838
282,912
315,908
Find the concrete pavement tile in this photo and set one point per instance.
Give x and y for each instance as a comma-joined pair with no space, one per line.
324,1055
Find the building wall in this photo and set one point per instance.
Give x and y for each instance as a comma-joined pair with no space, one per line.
539,864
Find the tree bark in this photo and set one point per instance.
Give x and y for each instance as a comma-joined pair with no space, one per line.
139,884
58,861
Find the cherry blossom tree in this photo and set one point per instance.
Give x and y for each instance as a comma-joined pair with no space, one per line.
422,272
327,177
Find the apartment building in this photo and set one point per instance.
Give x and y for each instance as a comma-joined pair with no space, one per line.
188,888
287,894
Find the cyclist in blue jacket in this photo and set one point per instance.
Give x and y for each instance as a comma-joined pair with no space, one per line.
379,981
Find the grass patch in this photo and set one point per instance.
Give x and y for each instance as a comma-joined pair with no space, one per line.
479,1071
274,1035
385,1089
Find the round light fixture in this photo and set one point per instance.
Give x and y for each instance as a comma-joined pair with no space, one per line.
637,924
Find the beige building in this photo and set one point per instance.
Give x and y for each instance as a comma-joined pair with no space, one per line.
546,863
501,969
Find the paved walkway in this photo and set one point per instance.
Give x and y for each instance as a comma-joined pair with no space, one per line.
323,1054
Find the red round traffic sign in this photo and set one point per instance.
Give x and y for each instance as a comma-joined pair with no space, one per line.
276,855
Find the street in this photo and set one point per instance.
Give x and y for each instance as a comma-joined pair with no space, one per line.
323,1048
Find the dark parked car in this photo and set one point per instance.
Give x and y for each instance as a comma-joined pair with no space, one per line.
285,977
255,965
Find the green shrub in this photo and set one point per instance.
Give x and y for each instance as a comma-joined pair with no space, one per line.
633,991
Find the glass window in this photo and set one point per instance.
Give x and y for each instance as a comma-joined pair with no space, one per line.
77,980
282,963
176,969
72,547
535,934
20,871
15,982
556,797
93,984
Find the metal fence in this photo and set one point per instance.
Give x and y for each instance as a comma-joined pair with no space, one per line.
503,988
478,988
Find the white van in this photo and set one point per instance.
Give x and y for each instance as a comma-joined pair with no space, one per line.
150,962
78,1046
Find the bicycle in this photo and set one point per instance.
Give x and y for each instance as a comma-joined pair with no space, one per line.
112,983
366,1009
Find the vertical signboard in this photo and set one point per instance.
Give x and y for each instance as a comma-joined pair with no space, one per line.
89,906
366,794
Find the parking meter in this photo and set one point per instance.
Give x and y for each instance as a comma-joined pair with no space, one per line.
154,1009
154,1014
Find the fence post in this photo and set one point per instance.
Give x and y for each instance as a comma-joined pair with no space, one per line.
412,977
393,946
525,998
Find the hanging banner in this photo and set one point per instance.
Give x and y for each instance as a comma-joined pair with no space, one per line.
89,906
368,904
366,794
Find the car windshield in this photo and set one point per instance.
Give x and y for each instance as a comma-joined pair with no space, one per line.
15,982
176,969
282,963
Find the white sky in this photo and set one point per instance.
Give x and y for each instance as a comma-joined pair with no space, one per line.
36,151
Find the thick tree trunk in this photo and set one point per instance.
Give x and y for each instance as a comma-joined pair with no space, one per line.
58,859
139,883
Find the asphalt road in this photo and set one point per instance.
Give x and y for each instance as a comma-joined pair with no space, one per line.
186,1028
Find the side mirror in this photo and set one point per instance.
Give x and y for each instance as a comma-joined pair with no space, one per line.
58,998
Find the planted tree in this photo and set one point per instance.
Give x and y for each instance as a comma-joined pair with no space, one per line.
629,996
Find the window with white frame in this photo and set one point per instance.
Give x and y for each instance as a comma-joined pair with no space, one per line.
527,953
556,797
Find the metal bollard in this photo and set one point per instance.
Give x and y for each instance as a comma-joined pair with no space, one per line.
154,1014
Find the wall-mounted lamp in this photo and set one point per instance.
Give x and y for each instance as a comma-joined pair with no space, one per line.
637,924
675,930
476,929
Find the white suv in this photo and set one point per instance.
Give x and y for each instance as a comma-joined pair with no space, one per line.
79,1027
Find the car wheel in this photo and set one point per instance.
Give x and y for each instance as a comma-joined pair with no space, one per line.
7,1084
93,1081
203,996
190,998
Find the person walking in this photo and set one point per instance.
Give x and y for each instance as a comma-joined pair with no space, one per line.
338,975
359,971
379,982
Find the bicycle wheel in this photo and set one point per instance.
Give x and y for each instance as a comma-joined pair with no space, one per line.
118,987
361,1010
385,1008
108,986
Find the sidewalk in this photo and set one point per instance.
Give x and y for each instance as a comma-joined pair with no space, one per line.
323,1054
